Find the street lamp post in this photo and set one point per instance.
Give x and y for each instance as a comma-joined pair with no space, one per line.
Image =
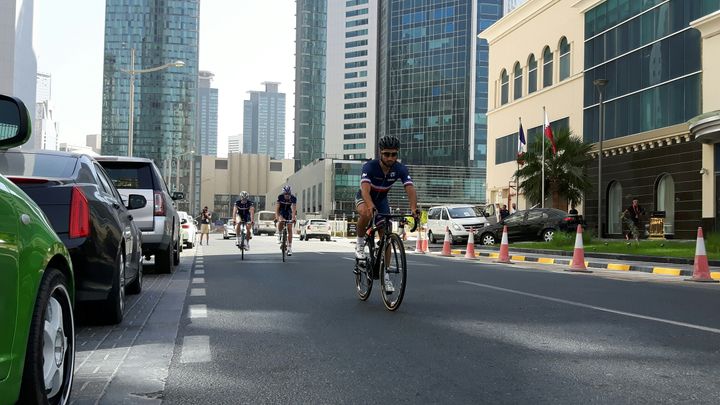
177,168
600,84
132,72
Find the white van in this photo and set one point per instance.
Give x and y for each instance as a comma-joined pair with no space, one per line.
459,218
264,223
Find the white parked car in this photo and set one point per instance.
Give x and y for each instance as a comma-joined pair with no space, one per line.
315,228
229,229
459,218
188,229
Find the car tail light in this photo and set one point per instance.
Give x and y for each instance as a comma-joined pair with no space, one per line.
159,200
79,214
185,226
568,219
27,180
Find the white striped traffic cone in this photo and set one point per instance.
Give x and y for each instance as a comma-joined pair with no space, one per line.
578,261
504,256
701,267
447,250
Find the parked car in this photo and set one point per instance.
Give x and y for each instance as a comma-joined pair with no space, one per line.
159,221
229,229
37,289
315,228
188,229
459,218
265,223
92,220
532,224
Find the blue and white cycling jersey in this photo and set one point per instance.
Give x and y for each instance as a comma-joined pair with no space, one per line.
380,183
243,210
285,202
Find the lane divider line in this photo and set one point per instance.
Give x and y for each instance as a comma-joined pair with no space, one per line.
197,311
195,349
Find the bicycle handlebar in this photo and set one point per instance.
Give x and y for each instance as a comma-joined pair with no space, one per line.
403,218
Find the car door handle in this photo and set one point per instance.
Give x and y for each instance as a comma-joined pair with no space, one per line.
25,219
116,205
130,217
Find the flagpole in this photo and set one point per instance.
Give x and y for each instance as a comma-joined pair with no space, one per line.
542,184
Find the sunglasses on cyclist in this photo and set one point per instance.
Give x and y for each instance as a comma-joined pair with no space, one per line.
389,154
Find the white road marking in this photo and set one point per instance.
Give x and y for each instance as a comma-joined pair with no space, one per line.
197,292
199,272
198,311
195,349
581,305
198,280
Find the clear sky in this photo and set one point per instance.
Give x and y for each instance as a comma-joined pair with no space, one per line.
243,42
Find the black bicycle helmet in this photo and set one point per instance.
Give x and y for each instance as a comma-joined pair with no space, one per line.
388,142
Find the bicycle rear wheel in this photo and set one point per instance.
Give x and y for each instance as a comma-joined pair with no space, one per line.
393,267
283,243
363,277
242,246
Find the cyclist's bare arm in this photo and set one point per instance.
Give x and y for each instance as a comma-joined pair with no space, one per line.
412,197
365,193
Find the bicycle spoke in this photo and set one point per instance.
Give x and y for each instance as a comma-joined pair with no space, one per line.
394,270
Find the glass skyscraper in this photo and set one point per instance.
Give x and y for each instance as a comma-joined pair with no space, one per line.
264,122
165,101
311,45
207,116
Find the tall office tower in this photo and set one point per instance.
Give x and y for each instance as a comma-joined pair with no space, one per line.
351,79
44,125
148,37
488,11
510,5
18,64
310,48
94,142
264,122
43,92
235,143
207,116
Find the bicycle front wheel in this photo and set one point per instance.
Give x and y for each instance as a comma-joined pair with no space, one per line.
283,244
393,272
363,274
242,246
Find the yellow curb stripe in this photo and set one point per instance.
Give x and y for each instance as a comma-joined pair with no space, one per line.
546,260
518,258
478,254
668,271
616,266
456,252
715,275
494,255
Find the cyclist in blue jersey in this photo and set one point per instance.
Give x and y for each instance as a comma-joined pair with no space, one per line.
377,178
285,208
244,211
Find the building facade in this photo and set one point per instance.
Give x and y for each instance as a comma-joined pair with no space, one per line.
235,143
310,70
652,56
18,62
264,122
351,66
165,100
207,115
94,141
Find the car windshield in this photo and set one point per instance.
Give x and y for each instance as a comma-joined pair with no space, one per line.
463,212
129,174
37,164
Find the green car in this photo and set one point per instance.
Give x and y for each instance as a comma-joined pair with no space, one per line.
37,330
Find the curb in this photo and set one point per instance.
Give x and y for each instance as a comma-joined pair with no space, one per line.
668,271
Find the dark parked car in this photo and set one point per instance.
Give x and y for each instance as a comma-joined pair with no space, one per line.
92,220
532,224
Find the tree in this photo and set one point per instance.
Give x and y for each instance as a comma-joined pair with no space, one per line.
566,179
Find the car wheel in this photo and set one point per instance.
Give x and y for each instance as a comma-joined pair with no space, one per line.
114,308
176,252
164,260
136,286
431,237
548,234
487,239
50,357
301,237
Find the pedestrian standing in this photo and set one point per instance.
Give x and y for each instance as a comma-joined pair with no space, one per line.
504,213
205,218
634,211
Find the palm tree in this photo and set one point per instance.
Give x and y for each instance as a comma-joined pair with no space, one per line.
566,179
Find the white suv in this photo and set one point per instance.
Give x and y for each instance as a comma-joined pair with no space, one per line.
315,228
459,218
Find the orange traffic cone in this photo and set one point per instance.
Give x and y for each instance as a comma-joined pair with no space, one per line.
446,251
419,243
470,252
504,256
425,247
701,268
578,261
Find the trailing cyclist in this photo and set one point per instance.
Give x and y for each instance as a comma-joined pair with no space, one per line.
244,212
377,178
285,209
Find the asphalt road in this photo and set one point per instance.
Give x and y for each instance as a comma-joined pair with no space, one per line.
262,331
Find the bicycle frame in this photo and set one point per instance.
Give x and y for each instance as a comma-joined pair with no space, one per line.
385,226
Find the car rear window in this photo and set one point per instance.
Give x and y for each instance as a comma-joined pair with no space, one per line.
37,164
317,222
267,216
129,174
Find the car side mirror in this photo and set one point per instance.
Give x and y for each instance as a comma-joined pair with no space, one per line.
486,215
14,122
178,195
136,201
183,221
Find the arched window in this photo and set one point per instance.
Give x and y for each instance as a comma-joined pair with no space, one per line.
665,195
532,74
547,67
564,59
517,81
504,84
614,208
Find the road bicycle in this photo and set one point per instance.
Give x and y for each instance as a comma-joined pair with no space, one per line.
384,261
284,237
240,239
